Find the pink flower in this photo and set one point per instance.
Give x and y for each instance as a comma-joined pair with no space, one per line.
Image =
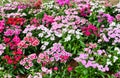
35,43
41,56
117,75
23,62
70,68
46,70
55,68
9,32
27,67
22,44
30,64
16,39
32,56
118,17
38,60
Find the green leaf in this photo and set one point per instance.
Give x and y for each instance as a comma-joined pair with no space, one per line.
21,71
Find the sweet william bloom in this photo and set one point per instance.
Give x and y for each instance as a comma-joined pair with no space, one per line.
85,11
2,23
9,32
10,61
118,17
38,3
63,2
70,68
48,19
6,40
35,43
117,75
32,56
16,39
55,68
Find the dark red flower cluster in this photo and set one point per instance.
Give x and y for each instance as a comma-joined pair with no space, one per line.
38,3
12,43
17,56
91,29
64,58
16,21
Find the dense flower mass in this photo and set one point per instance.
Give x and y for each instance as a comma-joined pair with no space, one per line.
59,39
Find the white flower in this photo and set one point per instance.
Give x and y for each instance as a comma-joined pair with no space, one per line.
46,43
115,58
78,36
58,34
43,47
109,56
1,68
52,38
7,76
68,38
109,63
71,31
112,24
64,30
117,49
40,34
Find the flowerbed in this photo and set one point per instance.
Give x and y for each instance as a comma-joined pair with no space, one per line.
59,39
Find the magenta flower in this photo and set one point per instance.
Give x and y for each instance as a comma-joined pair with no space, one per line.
91,29
9,32
2,26
47,19
85,11
63,2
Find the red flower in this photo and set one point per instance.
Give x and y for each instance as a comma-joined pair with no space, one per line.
70,68
10,61
6,40
6,57
15,67
15,21
17,58
38,3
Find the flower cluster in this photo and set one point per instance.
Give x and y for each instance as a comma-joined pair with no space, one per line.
28,41
91,29
17,56
27,61
47,19
62,38
102,16
88,61
2,25
16,21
